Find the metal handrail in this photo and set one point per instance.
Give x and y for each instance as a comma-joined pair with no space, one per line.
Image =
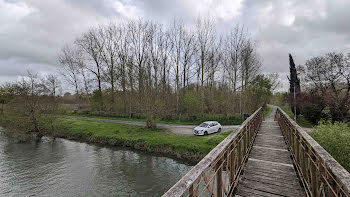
320,173
217,174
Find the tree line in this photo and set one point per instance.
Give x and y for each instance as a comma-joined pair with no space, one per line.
141,66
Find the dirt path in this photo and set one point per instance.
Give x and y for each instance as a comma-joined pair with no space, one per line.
271,117
172,128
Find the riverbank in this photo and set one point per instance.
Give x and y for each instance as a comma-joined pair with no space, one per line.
192,148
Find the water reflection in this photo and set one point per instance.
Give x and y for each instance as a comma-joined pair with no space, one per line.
67,168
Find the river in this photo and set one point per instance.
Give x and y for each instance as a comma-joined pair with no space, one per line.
68,168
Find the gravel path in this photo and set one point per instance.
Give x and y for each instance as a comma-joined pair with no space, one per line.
172,128
271,115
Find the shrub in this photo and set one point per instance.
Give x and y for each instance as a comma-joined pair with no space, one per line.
334,138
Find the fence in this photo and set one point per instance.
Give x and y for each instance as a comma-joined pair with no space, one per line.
320,174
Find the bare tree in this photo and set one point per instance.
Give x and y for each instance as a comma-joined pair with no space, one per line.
51,83
187,56
177,34
125,65
70,69
205,39
92,45
111,37
139,33
234,44
250,66
83,71
165,48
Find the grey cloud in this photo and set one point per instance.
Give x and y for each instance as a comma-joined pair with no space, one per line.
305,37
99,6
14,67
303,28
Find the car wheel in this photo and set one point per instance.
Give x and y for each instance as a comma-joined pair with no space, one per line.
205,133
219,130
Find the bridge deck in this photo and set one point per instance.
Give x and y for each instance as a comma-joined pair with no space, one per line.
269,170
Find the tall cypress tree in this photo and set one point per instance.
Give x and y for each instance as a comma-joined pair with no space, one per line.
293,82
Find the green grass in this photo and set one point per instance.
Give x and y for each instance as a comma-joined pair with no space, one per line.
334,138
235,121
300,120
139,137
108,117
267,110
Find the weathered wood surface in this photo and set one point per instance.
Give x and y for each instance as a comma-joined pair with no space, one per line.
269,170
320,173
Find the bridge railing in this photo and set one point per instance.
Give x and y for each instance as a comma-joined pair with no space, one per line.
320,173
217,174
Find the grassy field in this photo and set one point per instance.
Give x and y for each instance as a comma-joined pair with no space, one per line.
300,120
228,121
335,138
188,147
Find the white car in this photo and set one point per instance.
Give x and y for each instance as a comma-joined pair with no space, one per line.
207,128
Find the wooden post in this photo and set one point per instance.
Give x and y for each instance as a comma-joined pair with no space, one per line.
218,180
330,192
305,162
297,154
193,190
239,148
313,177
246,141
232,164
190,191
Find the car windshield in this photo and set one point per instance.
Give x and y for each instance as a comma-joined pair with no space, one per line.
203,125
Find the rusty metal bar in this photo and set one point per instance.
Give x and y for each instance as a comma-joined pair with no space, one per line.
218,173
319,172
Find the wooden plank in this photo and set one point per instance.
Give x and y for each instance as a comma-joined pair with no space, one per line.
270,140
267,169
272,170
271,175
271,162
262,147
271,145
269,135
273,181
272,158
273,189
244,191
271,151
291,182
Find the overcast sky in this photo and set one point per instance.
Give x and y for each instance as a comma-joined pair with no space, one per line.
33,31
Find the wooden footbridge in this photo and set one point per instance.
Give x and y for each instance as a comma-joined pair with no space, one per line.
271,157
